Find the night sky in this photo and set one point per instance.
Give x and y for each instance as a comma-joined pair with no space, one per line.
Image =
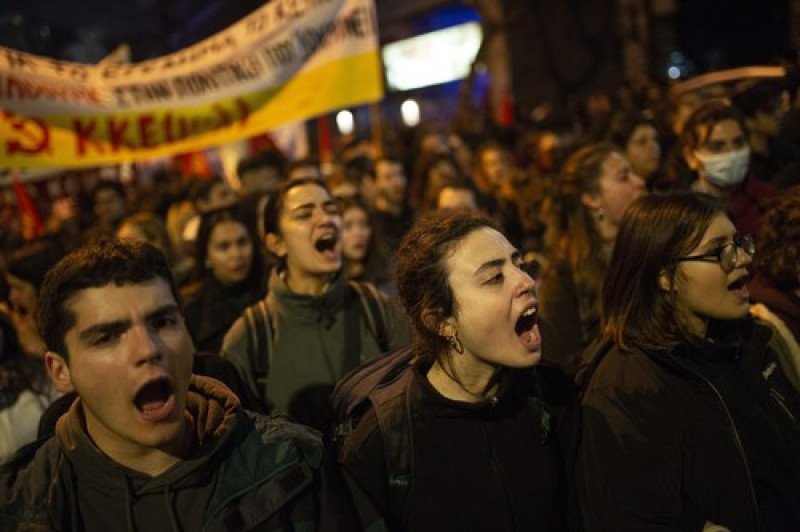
712,33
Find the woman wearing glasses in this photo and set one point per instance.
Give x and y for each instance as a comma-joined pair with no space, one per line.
689,421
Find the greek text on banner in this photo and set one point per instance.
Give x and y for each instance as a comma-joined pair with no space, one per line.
287,61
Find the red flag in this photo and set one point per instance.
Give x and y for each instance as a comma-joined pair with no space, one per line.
29,216
195,164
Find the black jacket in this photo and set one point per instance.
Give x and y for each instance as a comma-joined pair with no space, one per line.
495,465
210,308
708,433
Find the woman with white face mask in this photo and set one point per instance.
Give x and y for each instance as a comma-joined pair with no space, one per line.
714,146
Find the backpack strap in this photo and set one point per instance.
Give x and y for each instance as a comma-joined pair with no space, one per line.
384,385
374,311
259,344
392,405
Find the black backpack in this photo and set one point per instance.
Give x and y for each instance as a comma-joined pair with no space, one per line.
258,324
382,385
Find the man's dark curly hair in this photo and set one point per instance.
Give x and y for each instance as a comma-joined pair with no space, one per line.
100,263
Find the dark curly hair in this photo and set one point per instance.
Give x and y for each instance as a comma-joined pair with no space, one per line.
778,257
422,276
94,265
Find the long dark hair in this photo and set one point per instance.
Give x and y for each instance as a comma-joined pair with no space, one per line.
572,236
422,284
637,312
208,222
371,263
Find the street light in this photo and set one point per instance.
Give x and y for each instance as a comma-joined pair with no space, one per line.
345,122
410,112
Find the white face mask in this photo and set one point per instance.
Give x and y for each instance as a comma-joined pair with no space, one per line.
725,169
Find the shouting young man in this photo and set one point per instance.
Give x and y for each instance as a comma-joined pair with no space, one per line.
147,445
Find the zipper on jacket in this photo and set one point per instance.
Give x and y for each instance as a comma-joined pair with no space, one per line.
781,402
736,436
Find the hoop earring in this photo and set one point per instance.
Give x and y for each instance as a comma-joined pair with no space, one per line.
455,343
598,214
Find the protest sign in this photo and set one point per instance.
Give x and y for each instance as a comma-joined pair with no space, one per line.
287,61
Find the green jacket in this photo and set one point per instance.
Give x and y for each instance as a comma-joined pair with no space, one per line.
245,472
314,342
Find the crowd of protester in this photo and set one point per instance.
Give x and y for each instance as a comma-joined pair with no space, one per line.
610,250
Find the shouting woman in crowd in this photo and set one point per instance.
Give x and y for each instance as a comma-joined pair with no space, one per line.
689,419
310,330
483,449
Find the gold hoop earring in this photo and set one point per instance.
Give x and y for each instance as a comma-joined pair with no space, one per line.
455,343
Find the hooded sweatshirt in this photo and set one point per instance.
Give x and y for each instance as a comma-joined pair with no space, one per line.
242,472
110,496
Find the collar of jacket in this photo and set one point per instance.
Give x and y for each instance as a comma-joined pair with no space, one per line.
307,308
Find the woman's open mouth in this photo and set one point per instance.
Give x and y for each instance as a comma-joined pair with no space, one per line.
326,245
527,329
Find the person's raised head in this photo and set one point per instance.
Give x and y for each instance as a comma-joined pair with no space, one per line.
637,136
227,247
593,190
261,173
148,227
31,262
302,231
111,318
95,265
306,168
212,193
356,228
464,289
714,145
677,263
493,164
109,201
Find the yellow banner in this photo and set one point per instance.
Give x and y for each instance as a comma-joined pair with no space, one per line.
288,61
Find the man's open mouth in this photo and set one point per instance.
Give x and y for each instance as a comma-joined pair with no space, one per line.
154,395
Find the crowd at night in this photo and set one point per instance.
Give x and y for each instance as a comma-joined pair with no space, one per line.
581,317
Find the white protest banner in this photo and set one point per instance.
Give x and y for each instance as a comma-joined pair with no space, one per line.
287,61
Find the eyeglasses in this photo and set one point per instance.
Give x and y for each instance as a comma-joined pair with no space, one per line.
727,254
